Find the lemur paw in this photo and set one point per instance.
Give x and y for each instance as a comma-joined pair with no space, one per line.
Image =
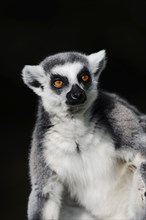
51,211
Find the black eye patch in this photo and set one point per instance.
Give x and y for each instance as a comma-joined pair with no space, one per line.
56,78
84,77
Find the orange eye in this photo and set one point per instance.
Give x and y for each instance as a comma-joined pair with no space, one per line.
58,83
85,78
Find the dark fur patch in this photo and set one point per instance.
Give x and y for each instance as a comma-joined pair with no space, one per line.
143,171
76,96
44,197
78,148
58,77
35,83
83,72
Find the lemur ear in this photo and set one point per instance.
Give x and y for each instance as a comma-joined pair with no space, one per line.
97,62
34,78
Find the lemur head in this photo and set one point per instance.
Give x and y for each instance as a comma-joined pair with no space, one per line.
66,81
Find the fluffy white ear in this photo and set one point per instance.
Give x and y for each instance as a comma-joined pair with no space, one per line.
97,62
34,78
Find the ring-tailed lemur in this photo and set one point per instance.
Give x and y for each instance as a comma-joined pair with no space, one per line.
88,155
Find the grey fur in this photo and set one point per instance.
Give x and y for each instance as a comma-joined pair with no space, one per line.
62,58
143,171
39,171
123,122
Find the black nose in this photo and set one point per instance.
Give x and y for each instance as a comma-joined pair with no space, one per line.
76,96
76,92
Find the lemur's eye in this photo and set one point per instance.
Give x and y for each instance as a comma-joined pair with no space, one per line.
58,83
85,78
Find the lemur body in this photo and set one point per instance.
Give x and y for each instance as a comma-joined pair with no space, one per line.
88,155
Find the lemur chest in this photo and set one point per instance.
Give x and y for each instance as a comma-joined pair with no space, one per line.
83,157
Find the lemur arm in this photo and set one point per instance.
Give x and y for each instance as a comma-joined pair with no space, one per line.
124,123
45,198
127,127
128,130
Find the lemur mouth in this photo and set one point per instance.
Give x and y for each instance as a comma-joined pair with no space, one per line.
75,108
75,103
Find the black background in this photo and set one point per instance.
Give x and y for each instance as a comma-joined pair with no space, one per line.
30,31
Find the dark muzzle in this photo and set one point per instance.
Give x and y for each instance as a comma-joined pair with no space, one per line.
76,96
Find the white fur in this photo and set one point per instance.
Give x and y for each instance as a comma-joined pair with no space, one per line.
95,59
94,177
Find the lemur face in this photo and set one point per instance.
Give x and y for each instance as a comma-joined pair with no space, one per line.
66,81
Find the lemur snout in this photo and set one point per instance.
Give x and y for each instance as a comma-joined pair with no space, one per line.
76,96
